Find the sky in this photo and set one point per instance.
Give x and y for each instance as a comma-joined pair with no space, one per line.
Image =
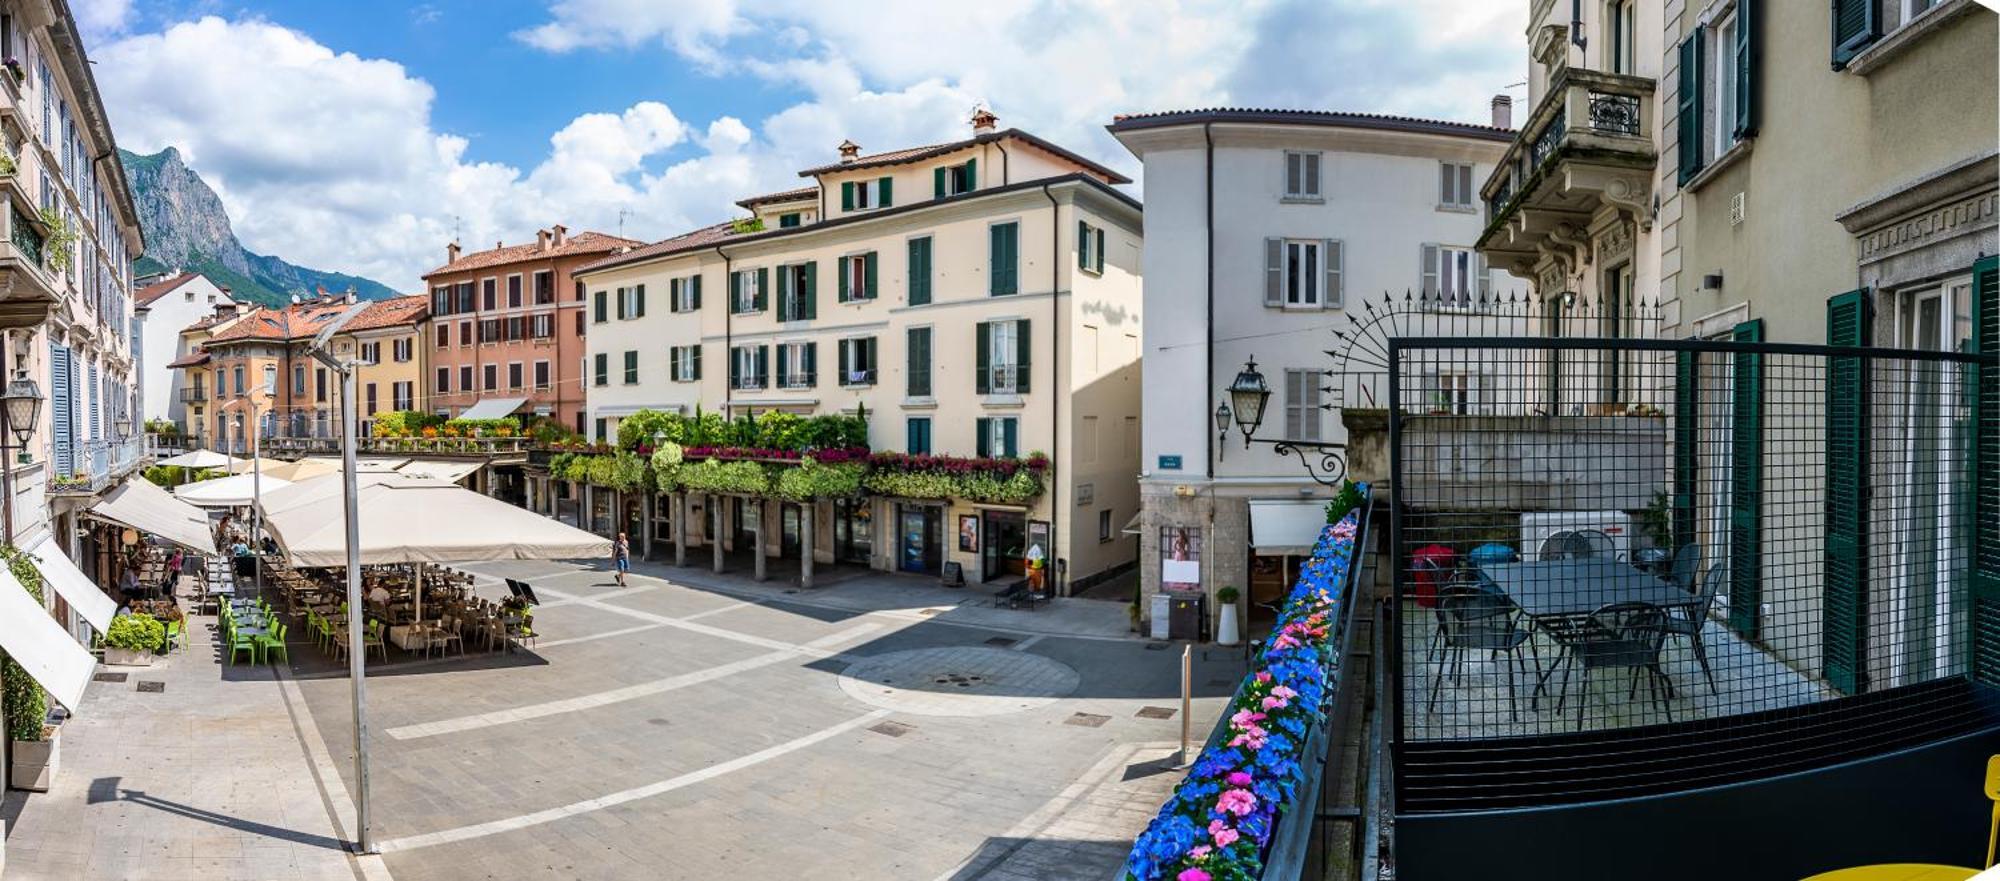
362,136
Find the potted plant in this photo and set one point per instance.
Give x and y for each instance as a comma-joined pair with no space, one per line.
132,640
36,748
1226,631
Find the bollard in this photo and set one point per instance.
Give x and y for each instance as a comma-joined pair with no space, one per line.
1181,759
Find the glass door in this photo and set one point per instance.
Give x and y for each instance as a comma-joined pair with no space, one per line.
1004,546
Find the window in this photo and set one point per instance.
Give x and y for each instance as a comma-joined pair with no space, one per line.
370,405
857,361
1302,411
579,324
545,288
998,436
1620,27
920,271
1724,81
857,277
954,179
747,366
513,292
862,195
1455,278
486,300
489,330
917,436
514,375
443,380
403,395
1455,185
1717,107
788,220
402,349
270,378
746,290
465,333
684,363
919,368
465,379
1002,357
492,375
795,292
1089,248
602,307
603,428
1857,24
319,385
1004,259
371,353
1104,525
542,326
541,375
601,369
465,301
1456,392
1301,175
631,302
298,380
443,335
796,365
1304,273
684,294
631,367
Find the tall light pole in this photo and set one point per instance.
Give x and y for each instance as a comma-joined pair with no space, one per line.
357,660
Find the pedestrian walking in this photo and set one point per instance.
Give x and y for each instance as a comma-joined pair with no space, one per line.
621,557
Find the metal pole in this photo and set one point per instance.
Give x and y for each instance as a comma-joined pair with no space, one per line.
1181,758
257,499
357,643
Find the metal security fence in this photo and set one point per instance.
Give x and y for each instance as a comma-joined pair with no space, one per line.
1670,539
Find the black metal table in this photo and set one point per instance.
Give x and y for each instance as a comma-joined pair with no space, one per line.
1557,595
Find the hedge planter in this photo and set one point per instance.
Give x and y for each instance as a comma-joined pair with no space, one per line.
34,764
117,657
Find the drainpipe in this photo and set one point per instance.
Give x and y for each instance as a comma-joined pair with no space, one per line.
1004,156
1208,327
1055,398
728,310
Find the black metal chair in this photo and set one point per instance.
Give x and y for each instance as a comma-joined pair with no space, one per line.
1687,566
1471,616
1687,620
1622,636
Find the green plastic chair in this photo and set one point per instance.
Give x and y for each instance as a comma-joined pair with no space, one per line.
275,642
241,642
175,633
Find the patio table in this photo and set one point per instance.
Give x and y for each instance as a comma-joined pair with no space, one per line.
1557,594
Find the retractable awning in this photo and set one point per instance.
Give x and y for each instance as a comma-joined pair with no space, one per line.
493,408
233,491
1132,526
32,638
449,471
141,505
71,584
1286,527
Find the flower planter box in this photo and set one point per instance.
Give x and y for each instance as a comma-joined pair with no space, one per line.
34,764
118,657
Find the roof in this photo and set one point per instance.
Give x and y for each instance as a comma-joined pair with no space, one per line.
295,322
395,311
721,233
158,289
191,359
918,154
786,196
587,242
1125,122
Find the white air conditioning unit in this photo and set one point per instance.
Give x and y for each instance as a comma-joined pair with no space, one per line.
1538,526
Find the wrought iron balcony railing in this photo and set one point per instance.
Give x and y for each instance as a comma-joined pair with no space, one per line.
1586,113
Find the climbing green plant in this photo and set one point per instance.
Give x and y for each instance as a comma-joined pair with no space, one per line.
61,240
810,480
27,705
712,475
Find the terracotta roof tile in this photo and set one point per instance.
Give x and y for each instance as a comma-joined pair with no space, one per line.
786,196
581,243
917,154
406,309
707,235
295,322
191,359
158,289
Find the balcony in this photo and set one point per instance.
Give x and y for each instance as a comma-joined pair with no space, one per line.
32,288
196,395
1586,147
459,447
98,465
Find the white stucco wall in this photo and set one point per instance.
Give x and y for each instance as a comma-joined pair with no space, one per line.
160,337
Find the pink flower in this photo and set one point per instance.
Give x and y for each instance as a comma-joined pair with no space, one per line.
1223,835
1237,801
1274,702
1239,778
1193,875
1284,692
1263,676
1245,718
1199,851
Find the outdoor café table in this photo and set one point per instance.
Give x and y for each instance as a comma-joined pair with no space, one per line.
1898,872
1556,594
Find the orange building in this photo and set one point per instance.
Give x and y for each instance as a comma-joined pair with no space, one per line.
507,326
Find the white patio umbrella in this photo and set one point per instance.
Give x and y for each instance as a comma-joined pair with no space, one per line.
233,491
293,471
202,459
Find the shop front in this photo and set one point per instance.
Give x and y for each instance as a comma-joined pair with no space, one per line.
920,538
1003,544
854,531
1282,535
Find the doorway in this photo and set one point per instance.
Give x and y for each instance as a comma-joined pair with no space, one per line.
790,527
745,524
854,531
1003,545
1925,550
920,535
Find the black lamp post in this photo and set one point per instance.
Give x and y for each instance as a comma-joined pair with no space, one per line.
1250,394
20,408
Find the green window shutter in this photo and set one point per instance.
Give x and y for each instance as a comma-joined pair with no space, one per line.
847,196
1844,619
763,364
883,190
868,273
920,271
763,290
919,368
1983,386
983,374
971,175
937,182
1082,245
844,362
1009,438
735,291
1004,254
631,368
695,373
735,368
1746,494
983,445
602,371
1856,24
841,293
600,310
811,364
785,298
1097,253
809,304
639,303
784,369
1687,433
621,304
1748,54
694,293
1689,108
1023,349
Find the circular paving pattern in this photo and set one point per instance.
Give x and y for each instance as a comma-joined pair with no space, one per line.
959,681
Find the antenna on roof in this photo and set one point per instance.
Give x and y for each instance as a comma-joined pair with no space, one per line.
621,222
455,221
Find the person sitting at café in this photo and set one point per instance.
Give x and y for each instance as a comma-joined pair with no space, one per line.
379,597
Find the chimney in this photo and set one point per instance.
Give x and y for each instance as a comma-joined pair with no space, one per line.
848,151
1503,111
351,295
561,234
541,240
983,120
451,253
295,299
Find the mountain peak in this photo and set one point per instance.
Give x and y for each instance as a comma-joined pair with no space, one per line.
187,229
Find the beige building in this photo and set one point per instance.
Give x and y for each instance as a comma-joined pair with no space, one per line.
977,298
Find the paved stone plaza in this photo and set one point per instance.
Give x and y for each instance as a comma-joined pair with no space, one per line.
704,727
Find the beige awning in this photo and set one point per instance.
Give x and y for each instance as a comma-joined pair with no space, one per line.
141,505
31,638
411,520
71,584
322,490
1286,527
202,459
233,491
1132,526
493,408
447,470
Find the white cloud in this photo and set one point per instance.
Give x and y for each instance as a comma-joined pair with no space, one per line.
98,19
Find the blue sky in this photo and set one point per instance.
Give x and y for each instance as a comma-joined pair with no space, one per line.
360,135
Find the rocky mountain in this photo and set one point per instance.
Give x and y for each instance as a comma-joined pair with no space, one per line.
186,229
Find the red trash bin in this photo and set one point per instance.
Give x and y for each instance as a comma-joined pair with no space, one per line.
1426,579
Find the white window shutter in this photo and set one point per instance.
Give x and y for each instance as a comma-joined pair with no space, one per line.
1274,272
1292,402
1484,284
1430,271
1309,412
1312,174
1294,173
1336,274
1465,189
1447,183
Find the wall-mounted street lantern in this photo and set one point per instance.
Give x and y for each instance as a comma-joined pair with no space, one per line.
1249,395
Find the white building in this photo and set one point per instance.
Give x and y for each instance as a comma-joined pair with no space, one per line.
165,308
1263,228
